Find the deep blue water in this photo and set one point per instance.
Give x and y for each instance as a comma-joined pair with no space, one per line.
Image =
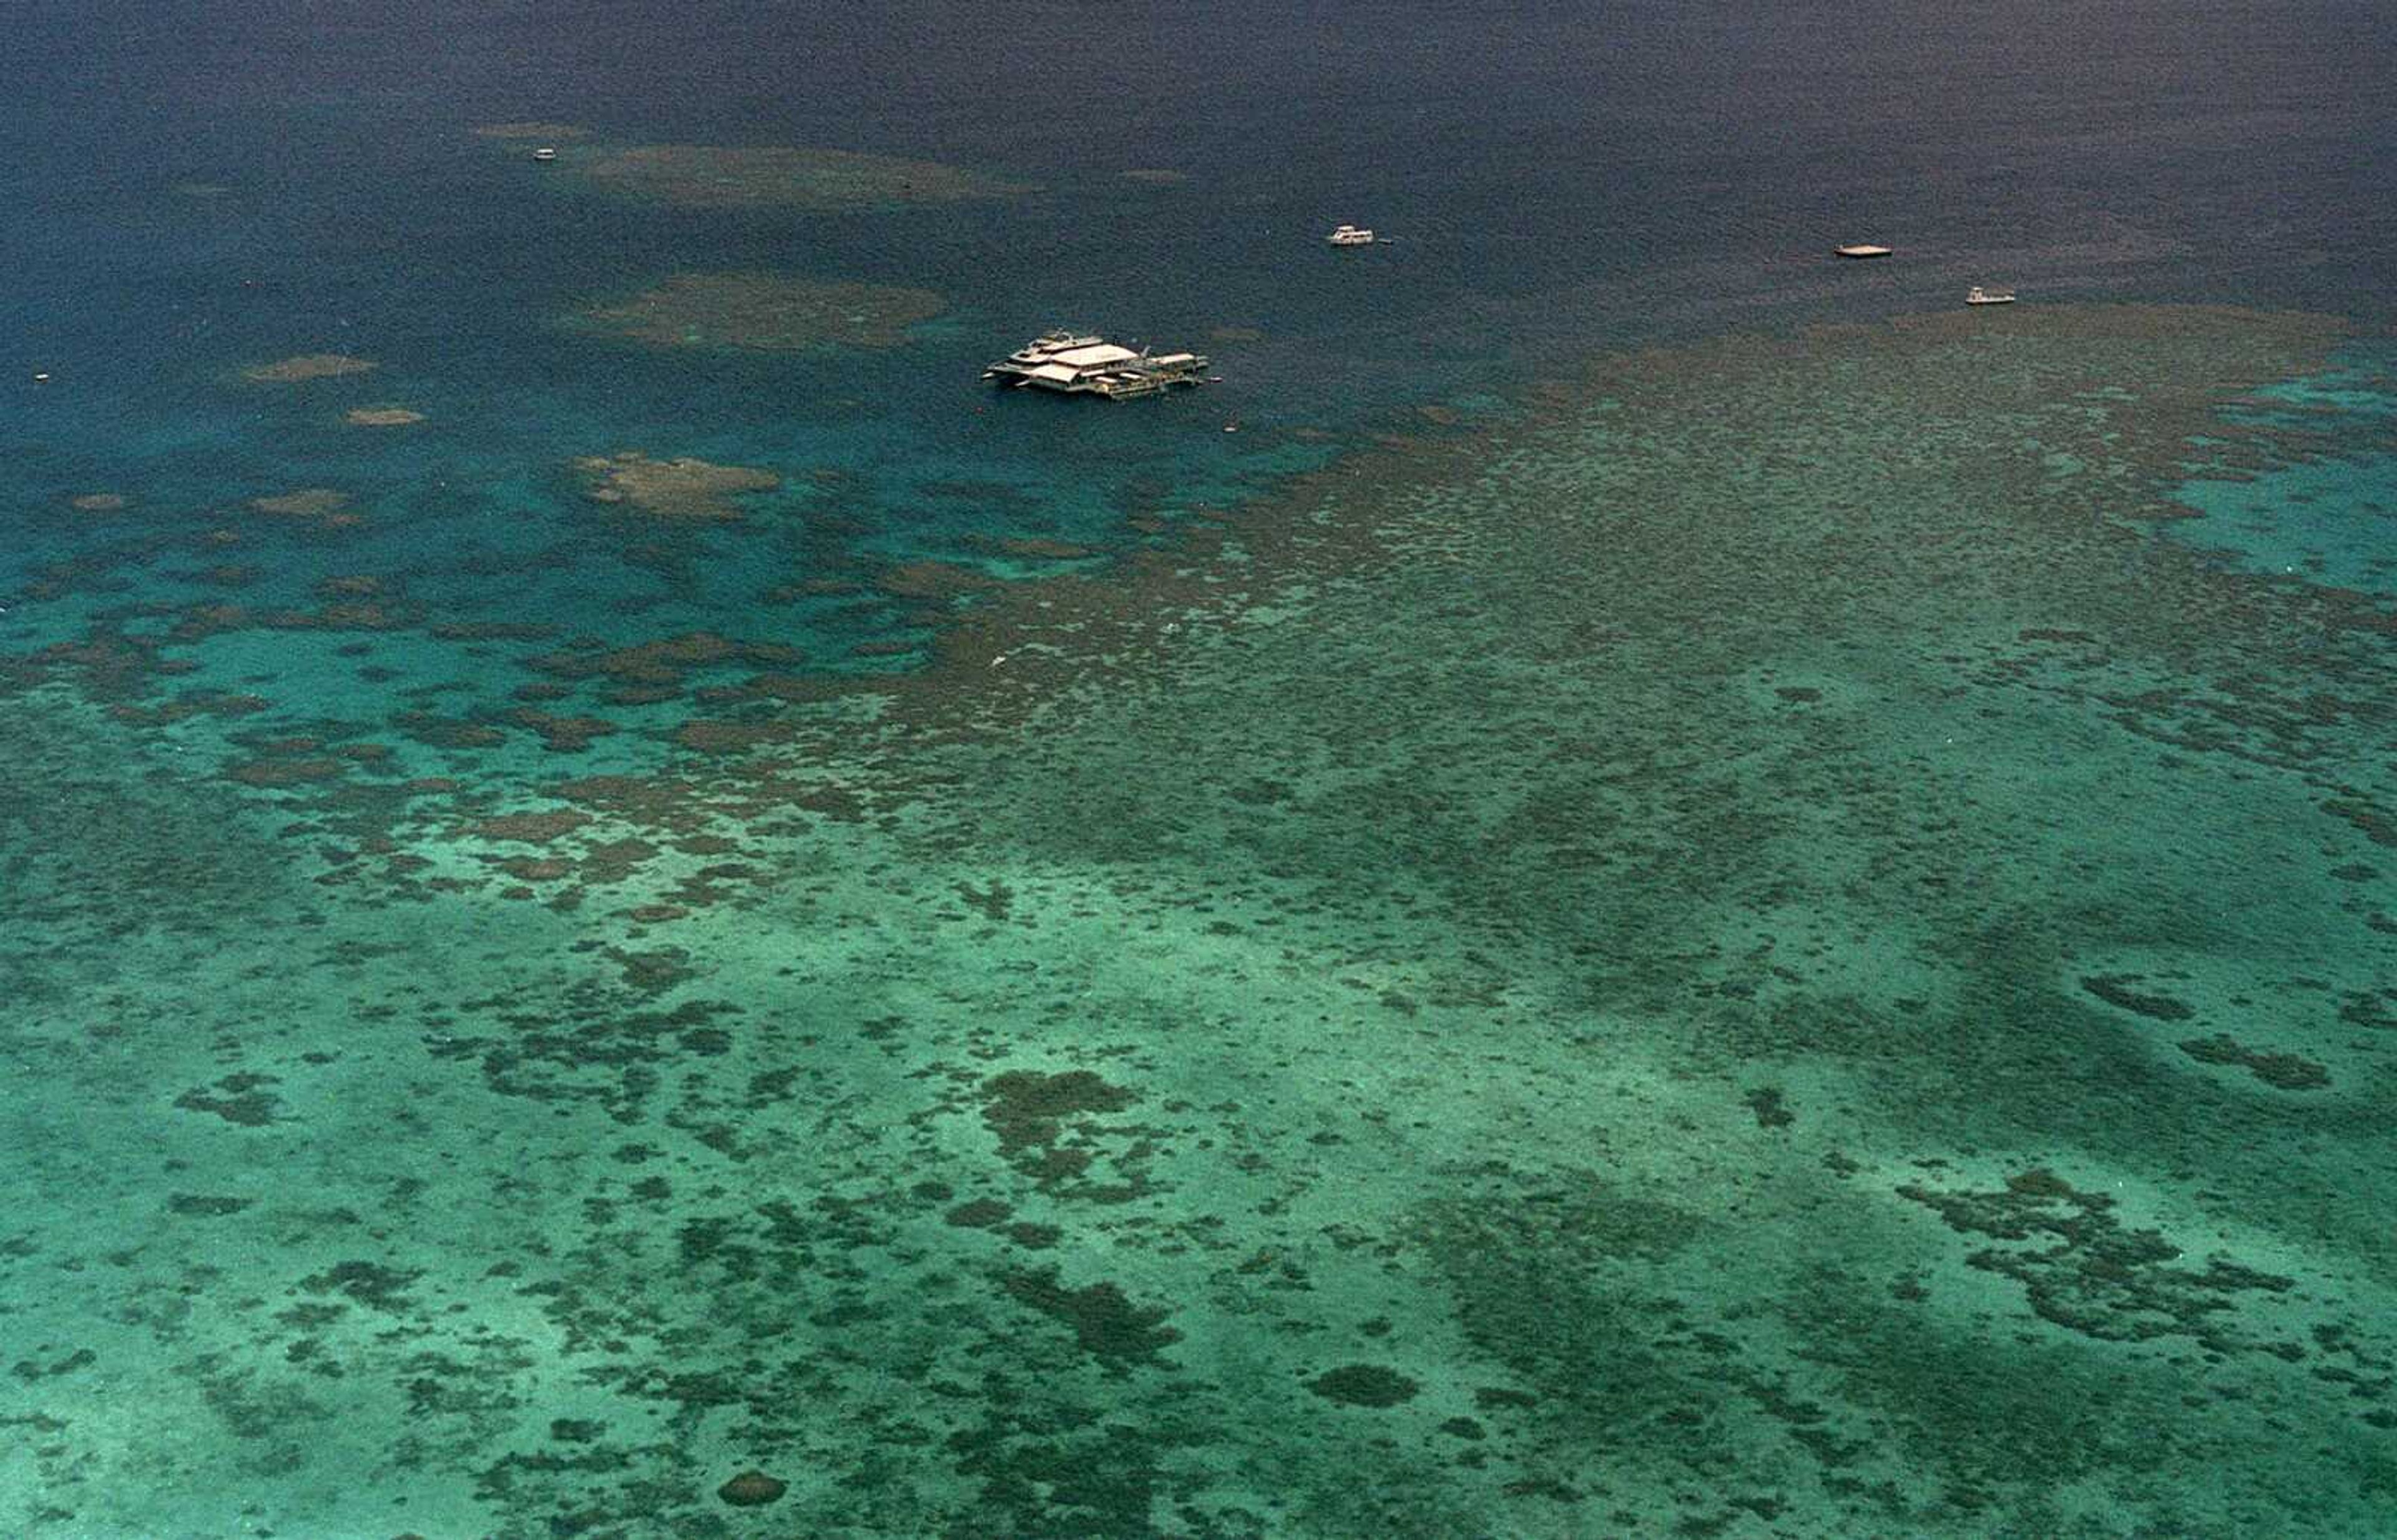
1556,178
1582,172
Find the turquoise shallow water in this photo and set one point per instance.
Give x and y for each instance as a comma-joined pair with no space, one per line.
1591,972
1682,889
2326,516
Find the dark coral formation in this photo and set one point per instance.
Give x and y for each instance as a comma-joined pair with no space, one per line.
752,1489
1026,1107
644,673
1105,1323
1771,1107
2115,990
1366,1384
2088,1273
372,1284
241,1099
2286,1071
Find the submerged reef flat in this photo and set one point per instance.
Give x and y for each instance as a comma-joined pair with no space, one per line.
1750,951
381,417
532,129
765,312
678,488
307,366
326,508
716,175
307,503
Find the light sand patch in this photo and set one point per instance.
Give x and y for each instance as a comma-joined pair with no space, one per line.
765,312
319,505
679,489
381,417
711,176
275,774
307,366
308,503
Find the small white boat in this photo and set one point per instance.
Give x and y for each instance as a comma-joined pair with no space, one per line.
544,153
1349,235
1976,295
1861,250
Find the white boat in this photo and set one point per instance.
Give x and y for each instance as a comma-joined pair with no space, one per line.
1042,350
1349,235
544,153
1976,295
1861,250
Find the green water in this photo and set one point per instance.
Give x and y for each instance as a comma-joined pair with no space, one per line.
1747,948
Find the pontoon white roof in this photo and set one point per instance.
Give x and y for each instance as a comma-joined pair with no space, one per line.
1092,358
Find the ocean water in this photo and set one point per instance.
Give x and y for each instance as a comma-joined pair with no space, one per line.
1634,881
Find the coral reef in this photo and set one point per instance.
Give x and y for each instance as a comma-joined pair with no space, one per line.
2088,1273
2286,1071
1364,1385
381,417
679,489
323,507
765,312
307,366
712,176
752,1489
1105,1323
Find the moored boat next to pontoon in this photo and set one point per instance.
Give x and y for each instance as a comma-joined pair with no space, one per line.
1040,351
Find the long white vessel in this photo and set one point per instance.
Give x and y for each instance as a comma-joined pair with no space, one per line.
1349,235
1861,250
1042,350
1976,295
